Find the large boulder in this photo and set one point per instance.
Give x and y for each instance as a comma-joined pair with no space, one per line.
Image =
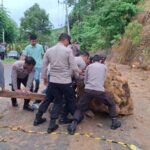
117,87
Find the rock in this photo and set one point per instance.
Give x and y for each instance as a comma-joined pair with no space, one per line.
134,127
117,87
99,125
135,65
90,114
121,129
1,116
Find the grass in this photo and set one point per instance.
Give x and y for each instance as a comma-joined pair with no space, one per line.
144,5
9,60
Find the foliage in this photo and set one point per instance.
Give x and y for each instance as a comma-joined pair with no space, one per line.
54,36
133,31
9,26
9,60
18,46
97,24
36,21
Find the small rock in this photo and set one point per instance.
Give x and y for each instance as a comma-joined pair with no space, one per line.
121,129
90,114
1,116
134,127
99,125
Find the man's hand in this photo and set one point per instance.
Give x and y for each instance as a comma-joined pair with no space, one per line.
45,82
26,90
82,73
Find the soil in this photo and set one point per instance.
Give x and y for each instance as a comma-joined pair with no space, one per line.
135,128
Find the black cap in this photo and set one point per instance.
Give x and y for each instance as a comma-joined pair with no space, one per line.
64,36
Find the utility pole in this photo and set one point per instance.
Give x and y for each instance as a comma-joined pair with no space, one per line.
3,31
67,18
67,15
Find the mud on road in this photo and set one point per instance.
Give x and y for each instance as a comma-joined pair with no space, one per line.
135,128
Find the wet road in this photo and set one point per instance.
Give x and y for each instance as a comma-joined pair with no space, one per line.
132,130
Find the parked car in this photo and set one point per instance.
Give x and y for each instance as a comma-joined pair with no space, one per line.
13,54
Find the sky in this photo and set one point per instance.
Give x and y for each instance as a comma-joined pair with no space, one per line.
16,9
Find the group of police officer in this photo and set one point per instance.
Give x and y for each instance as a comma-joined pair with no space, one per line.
66,69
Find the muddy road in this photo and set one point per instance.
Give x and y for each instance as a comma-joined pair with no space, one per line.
135,128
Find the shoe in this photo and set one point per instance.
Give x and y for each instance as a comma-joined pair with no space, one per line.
28,108
36,106
65,120
52,126
15,104
72,128
115,124
39,121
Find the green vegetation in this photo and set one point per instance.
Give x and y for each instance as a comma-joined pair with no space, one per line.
97,24
9,60
133,31
9,26
54,36
36,21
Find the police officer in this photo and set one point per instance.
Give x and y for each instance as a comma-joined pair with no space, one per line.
95,76
61,61
23,73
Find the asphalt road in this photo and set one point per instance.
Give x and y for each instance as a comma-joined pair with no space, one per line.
134,130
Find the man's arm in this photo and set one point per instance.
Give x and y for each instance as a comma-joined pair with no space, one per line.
30,80
14,77
86,76
73,64
105,72
45,64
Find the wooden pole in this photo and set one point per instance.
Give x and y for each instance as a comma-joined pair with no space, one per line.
22,95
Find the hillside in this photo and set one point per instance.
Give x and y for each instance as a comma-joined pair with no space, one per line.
99,24
128,52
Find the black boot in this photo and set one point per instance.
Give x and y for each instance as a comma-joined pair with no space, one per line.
14,102
28,108
52,126
72,127
38,119
115,124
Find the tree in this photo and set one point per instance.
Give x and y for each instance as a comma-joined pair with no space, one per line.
9,27
36,21
97,24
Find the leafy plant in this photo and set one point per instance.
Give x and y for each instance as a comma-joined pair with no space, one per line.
9,27
97,24
133,31
36,21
